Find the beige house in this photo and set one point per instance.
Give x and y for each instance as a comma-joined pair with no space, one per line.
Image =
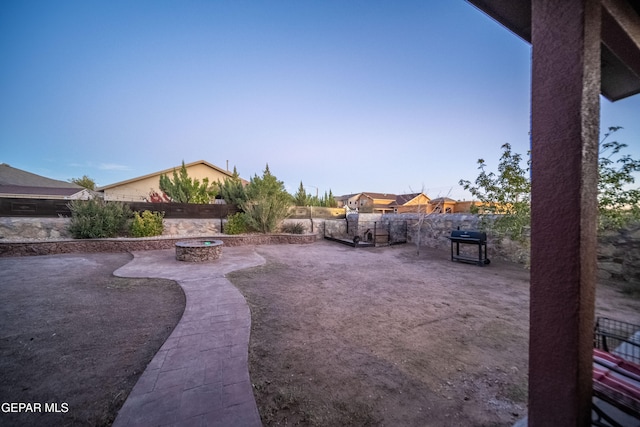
465,206
403,203
412,203
367,202
384,202
377,202
442,205
139,189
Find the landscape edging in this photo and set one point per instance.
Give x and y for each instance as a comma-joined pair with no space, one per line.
64,246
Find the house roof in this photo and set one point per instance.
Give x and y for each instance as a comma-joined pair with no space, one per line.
394,199
15,181
37,191
442,200
167,171
401,199
346,196
384,196
13,176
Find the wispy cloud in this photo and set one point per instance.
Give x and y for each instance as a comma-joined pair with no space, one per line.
113,167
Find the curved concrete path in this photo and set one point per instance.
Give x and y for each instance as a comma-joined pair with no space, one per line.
200,376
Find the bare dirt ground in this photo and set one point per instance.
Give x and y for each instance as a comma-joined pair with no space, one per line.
340,336
383,336
73,334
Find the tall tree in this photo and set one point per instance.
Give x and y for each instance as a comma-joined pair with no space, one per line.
508,193
330,201
232,189
301,198
85,182
184,189
618,202
267,202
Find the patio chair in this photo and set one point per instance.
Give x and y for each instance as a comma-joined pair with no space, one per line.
616,370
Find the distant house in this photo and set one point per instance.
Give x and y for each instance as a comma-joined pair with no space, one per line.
349,201
465,206
442,205
17,183
413,203
368,202
140,188
384,202
377,202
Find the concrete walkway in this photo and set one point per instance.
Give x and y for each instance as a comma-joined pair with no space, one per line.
200,376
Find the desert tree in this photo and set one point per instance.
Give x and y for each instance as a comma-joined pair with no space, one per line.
84,182
267,203
301,198
507,193
184,189
232,189
422,212
618,200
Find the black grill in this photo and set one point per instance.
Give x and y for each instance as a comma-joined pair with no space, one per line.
469,237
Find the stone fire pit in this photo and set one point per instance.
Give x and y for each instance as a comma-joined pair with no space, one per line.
199,250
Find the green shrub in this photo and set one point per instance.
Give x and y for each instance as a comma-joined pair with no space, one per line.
267,202
236,224
96,218
295,228
147,224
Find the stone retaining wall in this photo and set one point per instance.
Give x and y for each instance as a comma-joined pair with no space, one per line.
21,228
618,251
26,248
619,254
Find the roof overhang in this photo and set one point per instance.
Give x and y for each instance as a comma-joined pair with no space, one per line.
620,54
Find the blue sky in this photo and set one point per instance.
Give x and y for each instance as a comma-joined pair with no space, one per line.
350,96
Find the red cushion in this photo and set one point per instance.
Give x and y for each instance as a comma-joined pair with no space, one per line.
617,379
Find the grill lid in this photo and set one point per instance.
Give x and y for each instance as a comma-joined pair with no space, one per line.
468,235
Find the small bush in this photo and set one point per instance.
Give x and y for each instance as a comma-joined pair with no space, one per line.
236,224
147,224
295,228
96,218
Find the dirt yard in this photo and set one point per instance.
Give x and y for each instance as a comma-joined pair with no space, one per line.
382,336
340,336
77,337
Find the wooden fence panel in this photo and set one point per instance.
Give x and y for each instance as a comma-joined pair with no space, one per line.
34,207
186,210
304,212
59,207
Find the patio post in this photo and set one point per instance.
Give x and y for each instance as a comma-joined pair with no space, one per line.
565,132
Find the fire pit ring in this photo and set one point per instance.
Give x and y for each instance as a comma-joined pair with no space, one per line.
199,250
